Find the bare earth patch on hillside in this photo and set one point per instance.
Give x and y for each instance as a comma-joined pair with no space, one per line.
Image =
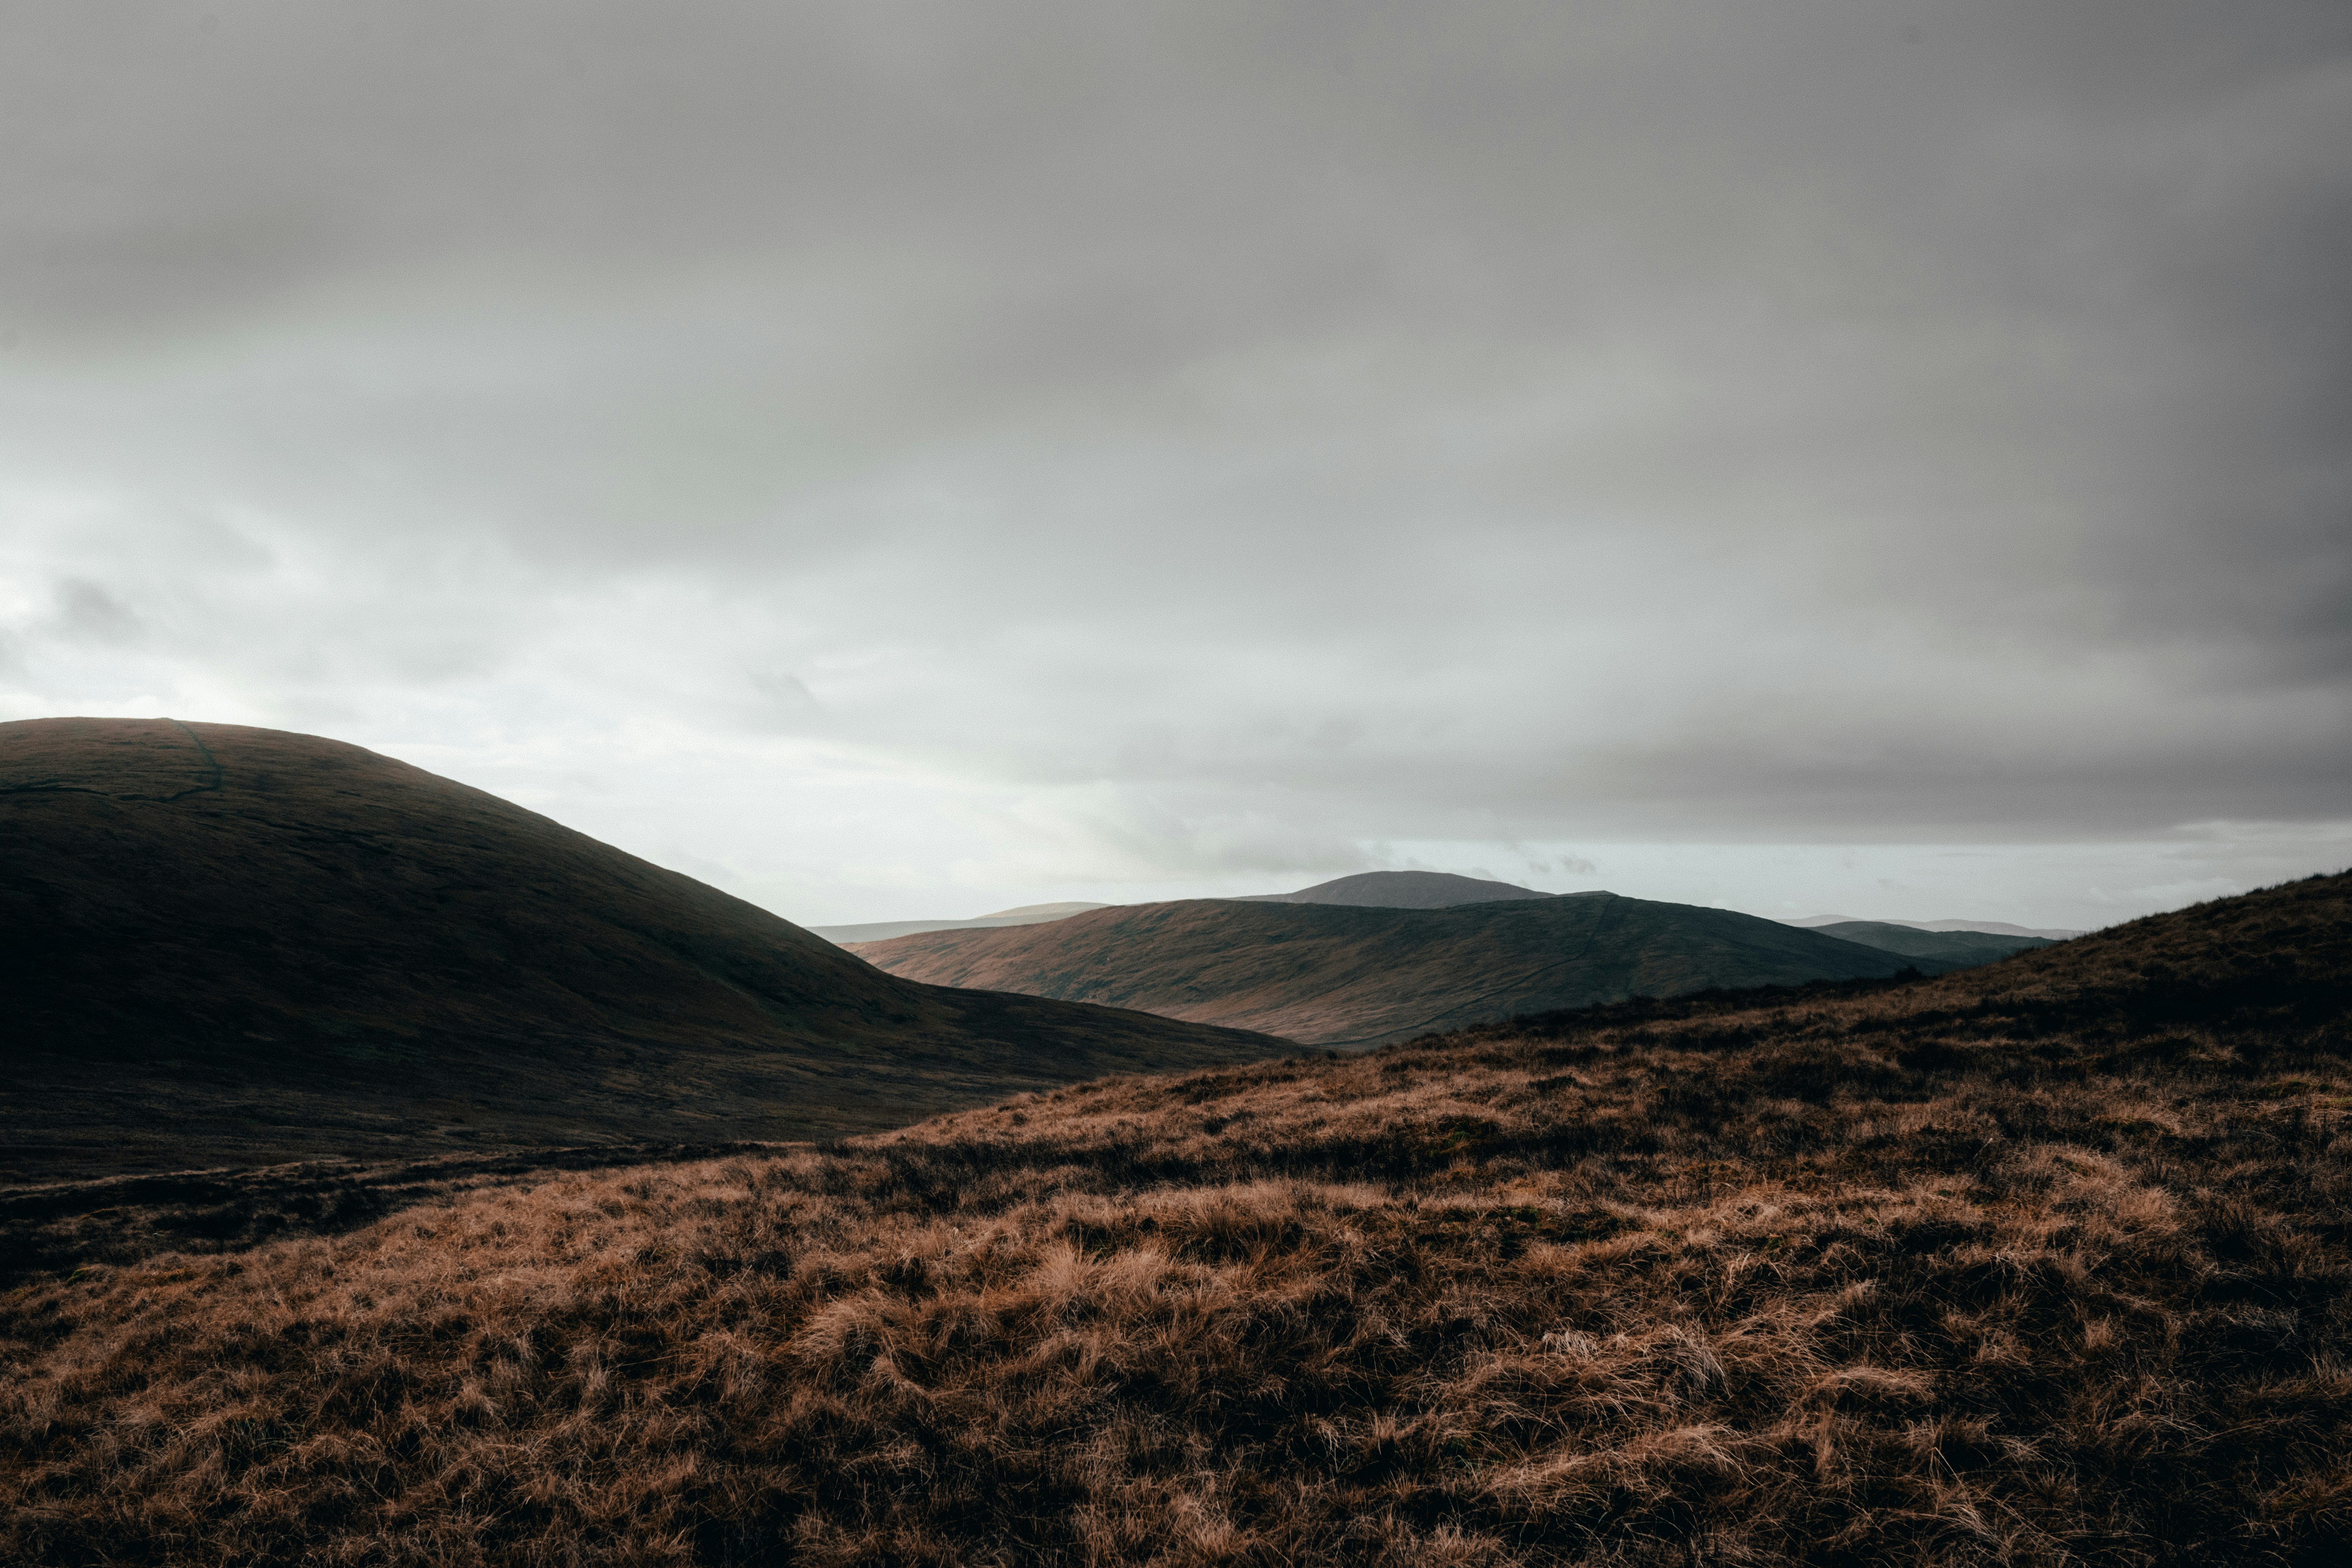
2044,1262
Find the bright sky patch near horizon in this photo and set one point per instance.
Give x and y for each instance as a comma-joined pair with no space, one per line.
908,459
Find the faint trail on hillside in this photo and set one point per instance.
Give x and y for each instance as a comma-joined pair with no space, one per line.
210,761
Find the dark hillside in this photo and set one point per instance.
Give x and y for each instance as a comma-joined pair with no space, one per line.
2044,1263
1342,976
220,943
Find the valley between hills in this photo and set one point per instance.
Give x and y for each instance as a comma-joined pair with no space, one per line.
2039,1260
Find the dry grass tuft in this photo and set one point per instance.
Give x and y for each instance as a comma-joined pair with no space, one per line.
2042,1263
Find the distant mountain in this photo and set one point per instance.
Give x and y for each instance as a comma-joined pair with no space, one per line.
220,944
1997,928
1401,891
1954,947
1983,927
1331,974
883,930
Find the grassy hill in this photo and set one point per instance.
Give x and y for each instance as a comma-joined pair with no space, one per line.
1346,976
220,943
2044,1262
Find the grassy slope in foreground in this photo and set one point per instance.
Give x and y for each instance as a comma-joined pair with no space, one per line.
224,943
1344,975
2038,1263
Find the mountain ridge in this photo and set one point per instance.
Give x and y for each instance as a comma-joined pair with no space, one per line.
1349,975
1993,928
1952,947
883,930
1401,891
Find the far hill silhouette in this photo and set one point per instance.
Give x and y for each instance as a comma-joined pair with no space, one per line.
1334,974
221,943
1972,928
883,930
1950,946
1401,891
1368,889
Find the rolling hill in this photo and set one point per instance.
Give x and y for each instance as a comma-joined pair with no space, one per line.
2044,1262
221,943
1344,975
1956,947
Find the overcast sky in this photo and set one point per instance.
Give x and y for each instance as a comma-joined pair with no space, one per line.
909,459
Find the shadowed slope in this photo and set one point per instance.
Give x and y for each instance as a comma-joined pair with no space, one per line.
1338,975
2044,1263
222,942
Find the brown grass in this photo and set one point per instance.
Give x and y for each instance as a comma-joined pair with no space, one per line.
2039,1263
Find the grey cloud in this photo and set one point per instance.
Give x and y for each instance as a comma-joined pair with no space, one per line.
1316,426
784,705
88,612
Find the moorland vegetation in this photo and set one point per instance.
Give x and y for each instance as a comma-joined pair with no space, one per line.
2043,1262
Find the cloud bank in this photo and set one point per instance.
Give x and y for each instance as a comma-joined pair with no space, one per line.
895,453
